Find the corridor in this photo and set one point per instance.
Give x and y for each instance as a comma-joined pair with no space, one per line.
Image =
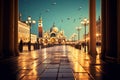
57,63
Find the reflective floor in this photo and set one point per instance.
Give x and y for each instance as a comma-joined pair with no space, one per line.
57,63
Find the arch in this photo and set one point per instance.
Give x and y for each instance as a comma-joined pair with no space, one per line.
53,35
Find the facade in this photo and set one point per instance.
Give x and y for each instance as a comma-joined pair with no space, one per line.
24,33
33,38
53,36
98,30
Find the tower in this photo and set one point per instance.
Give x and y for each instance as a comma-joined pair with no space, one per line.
40,30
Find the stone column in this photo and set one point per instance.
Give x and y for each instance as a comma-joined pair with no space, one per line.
1,26
92,15
103,35
118,29
16,27
111,30
8,28
107,28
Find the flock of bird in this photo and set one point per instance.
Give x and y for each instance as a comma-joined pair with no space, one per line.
68,18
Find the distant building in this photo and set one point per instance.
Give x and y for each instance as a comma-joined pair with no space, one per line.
33,38
24,33
40,30
53,36
98,30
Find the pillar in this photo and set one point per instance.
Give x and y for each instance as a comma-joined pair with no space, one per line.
111,30
16,17
1,23
92,15
118,28
103,34
8,28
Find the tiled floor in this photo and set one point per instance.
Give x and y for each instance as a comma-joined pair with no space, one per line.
57,63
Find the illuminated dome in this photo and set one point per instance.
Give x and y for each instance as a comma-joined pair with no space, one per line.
54,28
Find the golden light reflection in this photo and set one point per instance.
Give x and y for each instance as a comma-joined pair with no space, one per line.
30,78
25,65
98,59
34,65
44,53
82,76
77,67
34,72
64,49
34,55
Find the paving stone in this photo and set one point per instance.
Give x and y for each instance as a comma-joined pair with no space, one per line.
30,78
55,63
65,66
47,78
53,66
65,71
49,75
66,79
82,76
51,70
65,75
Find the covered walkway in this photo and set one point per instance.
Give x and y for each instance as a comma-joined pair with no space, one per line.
57,63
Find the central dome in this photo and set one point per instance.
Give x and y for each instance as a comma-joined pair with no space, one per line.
54,28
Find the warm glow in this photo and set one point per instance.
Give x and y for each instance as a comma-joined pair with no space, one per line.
23,32
44,53
82,22
78,28
97,34
87,38
29,18
33,21
85,21
27,22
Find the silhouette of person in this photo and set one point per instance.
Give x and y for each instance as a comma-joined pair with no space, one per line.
21,46
29,46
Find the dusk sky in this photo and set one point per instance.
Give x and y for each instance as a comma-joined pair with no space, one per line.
66,14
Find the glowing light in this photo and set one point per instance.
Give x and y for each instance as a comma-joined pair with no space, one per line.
44,53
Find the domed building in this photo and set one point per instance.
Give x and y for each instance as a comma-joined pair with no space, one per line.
53,31
53,36
54,28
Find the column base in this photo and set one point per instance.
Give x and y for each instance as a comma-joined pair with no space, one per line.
9,54
93,53
16,53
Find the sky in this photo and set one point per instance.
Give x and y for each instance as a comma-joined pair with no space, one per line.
66,14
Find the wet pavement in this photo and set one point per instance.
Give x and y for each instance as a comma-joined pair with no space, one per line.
57,63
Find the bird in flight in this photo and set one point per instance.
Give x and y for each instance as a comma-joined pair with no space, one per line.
54,3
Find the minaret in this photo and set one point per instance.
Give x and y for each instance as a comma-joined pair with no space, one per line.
40,30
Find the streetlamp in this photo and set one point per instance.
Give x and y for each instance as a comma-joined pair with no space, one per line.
78,29
74,35
85,22
30,22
